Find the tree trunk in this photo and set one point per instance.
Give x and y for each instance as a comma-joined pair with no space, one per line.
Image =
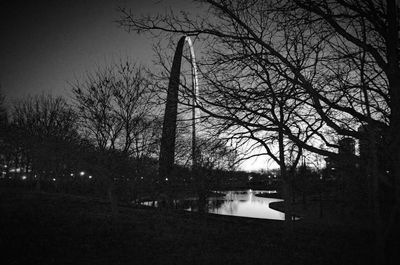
379,247
287,193
393,139
113,199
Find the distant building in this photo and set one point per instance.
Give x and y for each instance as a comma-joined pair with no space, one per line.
345,164
347,146
365,146
347,149
374,139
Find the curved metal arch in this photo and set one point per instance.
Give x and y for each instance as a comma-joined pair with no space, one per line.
167,148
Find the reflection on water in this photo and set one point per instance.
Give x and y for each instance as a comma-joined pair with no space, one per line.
235,203
245,203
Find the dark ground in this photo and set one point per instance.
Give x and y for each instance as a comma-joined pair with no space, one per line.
45,228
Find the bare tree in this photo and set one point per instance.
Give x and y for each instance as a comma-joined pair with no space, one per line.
115,106
341,57
42,127
249,31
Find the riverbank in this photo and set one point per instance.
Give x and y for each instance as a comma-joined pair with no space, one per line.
45,228
327,212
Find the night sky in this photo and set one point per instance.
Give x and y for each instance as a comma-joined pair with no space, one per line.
47,44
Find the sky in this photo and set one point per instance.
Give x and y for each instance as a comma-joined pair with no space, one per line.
45,45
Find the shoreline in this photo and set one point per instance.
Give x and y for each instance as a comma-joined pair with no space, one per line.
51,228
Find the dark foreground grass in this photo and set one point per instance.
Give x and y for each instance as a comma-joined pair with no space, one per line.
42,228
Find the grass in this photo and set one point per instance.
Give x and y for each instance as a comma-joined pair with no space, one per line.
45,228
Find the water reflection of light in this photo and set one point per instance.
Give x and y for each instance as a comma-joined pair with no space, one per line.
246,204
235,203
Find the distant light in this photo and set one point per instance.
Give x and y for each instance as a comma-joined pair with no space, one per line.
333,168
90,177
24,177
387,171
141,178
54,179
72,174
35,176
5,166
82,173
166,179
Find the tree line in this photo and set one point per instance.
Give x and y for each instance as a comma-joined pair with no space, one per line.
299,76
104,140
284,78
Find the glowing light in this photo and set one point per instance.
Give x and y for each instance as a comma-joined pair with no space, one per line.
82,173
166,179
72,174
90,177
54,179
23,177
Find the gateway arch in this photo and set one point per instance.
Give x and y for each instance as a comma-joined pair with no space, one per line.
167,148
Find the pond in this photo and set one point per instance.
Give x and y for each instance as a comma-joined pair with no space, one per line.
242,203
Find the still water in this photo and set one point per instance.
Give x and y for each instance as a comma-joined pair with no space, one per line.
242,203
